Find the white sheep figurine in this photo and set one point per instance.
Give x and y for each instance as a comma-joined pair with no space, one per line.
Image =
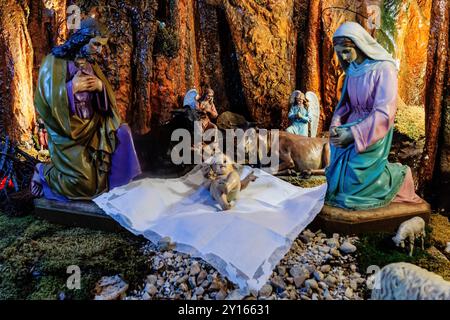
405,281
410,230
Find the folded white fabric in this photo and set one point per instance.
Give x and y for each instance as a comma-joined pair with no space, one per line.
244,243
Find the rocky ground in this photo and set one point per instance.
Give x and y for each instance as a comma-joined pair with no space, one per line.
317,267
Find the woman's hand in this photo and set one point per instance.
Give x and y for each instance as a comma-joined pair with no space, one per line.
341,137
82,83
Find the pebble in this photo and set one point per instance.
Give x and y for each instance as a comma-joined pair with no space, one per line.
199,291
151,289
353,285
152,279
324,249
332,243
318,275
331,281
221,295
335,252
281,270
325,268
202,276
347,247
296,271
195,269
266,290
278,283
298,281
183,279
311,284
349,293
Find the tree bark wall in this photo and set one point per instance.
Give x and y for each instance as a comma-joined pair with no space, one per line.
16,66
435,84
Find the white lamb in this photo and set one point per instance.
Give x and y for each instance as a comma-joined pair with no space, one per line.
405,281
410,230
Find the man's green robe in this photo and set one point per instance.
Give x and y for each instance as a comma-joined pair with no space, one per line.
80,149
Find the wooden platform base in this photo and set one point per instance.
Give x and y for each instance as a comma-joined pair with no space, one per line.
386,219
84,214
330,220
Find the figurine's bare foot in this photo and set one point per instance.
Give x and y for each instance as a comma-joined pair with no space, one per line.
306,174
36,184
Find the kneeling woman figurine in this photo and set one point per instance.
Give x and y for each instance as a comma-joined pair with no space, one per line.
359,175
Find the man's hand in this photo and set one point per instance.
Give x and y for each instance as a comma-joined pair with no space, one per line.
341,137
82,83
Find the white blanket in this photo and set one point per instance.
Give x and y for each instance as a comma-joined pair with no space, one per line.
244,243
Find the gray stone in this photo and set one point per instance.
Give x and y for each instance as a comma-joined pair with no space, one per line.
324,249
221,295
347,247
349,292
184,287
151,289
335,252
325,268
318,275
309,234
311,284
296,271
298,281
199,291
353,285
304,239
266,290
331,281
323,285
151,279
333,243
192,282
281,270
215,285
278,283
183,279
195,269
202,276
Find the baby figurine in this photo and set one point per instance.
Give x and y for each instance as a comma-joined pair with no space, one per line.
224,181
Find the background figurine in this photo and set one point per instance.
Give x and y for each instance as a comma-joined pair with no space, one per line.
42,135
191,99
298,114
204,104
314,113
410,230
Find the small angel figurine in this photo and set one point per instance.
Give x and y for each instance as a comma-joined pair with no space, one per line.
304,113
298,114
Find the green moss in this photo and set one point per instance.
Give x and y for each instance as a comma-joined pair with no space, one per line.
167,42
312,182
34,256
410,121
379,250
